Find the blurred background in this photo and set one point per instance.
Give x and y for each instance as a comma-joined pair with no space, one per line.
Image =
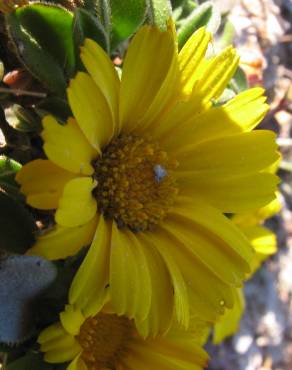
262,33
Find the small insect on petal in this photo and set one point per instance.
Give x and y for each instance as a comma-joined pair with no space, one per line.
159,172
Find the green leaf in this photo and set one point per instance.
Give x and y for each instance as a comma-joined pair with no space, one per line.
37,60
206,15
85,25
33,361
8,170
42,35
51,27
239,81
160,11
126,17
103,12
55,106
17,226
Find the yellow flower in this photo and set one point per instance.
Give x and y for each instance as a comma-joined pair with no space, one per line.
264,243
144,172
108,341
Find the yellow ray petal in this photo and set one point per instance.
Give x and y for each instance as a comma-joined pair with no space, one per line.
191,56
130,283
181,302
51,333
233,195
146,65
66,146
161,311
91,110
219,121
58,345
198,278
211,219
214,79
229,323
63,354
261,214
72,319
62,242
42,182
77,364
77,206
207,248
89,285
229,156
103,73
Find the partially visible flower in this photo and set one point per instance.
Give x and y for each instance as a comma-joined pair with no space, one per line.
145,170
107,341
264,242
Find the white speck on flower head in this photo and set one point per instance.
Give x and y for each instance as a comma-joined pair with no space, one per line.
159,172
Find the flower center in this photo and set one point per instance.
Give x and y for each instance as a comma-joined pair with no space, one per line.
135,183
104,339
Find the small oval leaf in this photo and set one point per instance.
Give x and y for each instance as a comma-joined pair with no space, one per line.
17,226
206,15
160,11
126,17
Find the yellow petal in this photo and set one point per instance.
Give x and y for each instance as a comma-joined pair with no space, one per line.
233,195
219,121
63,354
58,345
210,302
89,285
229,323
264,242
206,247
214,79
258,216
72,319
229,156
77,364
62,242
181,302
190,57
146,65
51,333
42,182
77,206
160,315
66,146
103,73
91,110
130,281
212,220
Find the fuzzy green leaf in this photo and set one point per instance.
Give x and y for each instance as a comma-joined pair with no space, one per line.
51,27
206,15
160,11
85,25
17,227
126,17
37,60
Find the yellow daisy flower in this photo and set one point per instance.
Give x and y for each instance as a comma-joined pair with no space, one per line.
108,341
144,172
264,242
